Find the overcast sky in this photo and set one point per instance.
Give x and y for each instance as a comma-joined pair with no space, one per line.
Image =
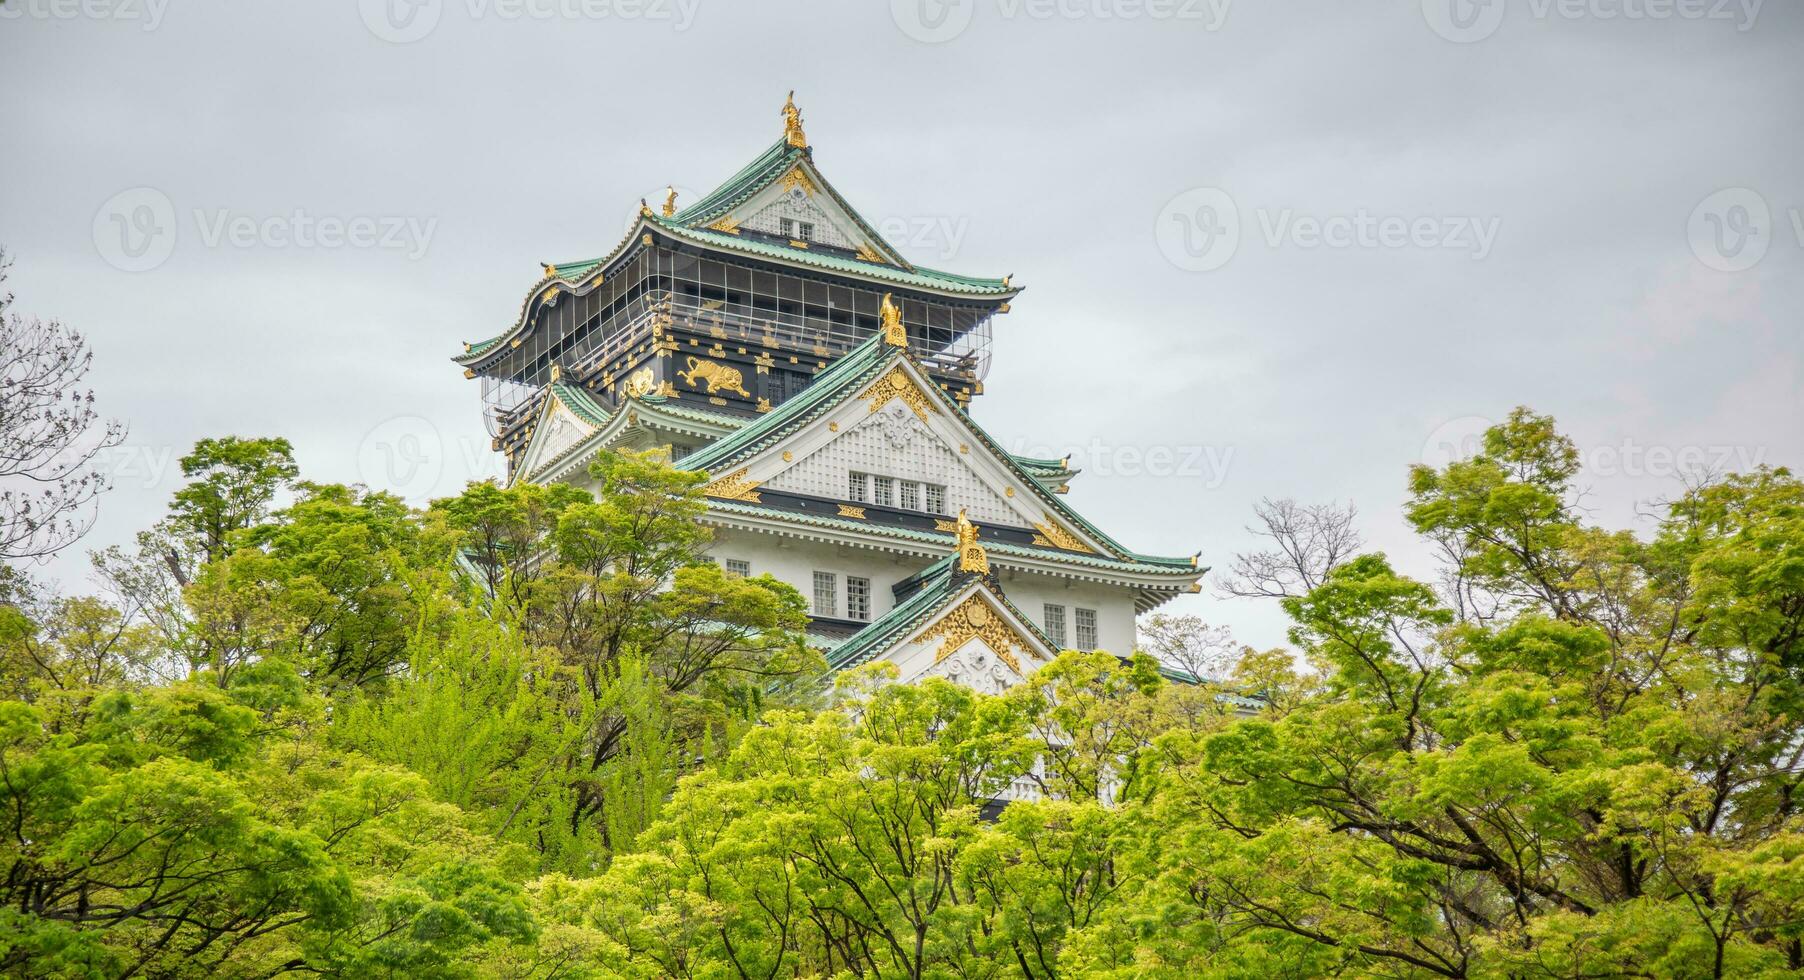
1271,249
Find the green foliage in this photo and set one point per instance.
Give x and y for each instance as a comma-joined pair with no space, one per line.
532,732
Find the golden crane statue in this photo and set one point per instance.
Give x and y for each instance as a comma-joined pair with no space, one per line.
894,334
971,556
792,124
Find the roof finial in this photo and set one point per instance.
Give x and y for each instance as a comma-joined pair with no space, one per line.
557,373
971,556
644,209
550,270
894,334
792,124
670,201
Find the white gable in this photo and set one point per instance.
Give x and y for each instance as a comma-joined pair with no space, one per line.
557,431
894,442
798,197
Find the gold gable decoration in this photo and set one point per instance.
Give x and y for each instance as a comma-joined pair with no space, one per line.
726,225
797,177
974,618
733,486
1054,535
897,385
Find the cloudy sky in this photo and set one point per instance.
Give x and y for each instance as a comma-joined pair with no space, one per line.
1272,249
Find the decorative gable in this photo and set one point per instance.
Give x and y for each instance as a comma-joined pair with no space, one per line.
800,196
558,430
977,641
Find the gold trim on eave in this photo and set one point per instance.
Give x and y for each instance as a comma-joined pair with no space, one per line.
733,486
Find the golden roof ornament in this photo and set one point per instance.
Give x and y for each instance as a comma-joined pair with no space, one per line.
557,373
670,201
550,270
792,124
894,334
971,556
644,208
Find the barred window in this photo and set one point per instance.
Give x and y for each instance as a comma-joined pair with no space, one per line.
885,495
936,499
858,598
826,594
805,230
735,567
859,487
1054,621
1086,629
911,495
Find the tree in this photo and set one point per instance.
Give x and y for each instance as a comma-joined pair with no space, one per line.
1308,541
50,434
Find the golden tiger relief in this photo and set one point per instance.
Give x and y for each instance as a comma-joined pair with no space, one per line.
718,376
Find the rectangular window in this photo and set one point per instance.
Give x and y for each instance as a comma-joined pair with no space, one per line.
858,598
737,568
911,495
885,495
805,231
1086,629
788,227
858,487
936,499
826,594
1054,621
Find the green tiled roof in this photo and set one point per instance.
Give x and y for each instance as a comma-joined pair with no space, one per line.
919,276
1003,548
689,224
934,588
774,162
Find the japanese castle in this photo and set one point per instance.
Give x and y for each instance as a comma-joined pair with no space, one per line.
769,337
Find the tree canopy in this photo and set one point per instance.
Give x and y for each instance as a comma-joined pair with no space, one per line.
534,732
